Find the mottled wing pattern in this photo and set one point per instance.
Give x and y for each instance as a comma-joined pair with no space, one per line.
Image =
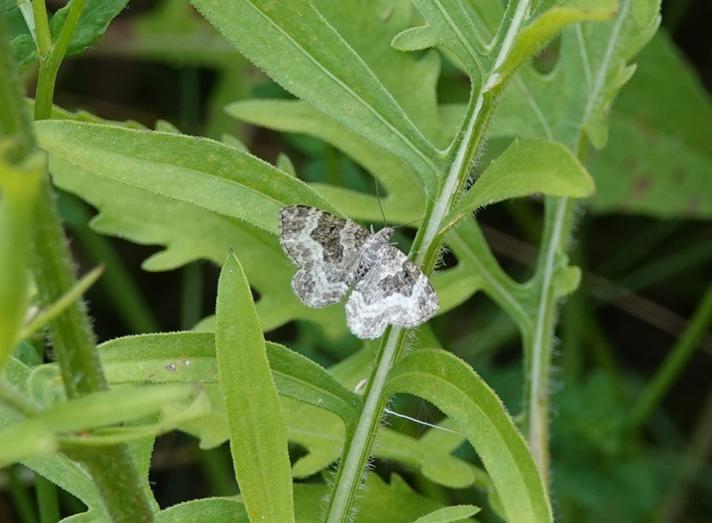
393,291
326,248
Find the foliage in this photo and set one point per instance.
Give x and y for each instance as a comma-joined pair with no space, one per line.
362,82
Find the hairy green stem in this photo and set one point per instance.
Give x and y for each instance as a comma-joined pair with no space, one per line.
74,346
675,362
538,352
557,228
425,252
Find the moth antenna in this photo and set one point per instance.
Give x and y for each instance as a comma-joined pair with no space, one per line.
408,223
378,197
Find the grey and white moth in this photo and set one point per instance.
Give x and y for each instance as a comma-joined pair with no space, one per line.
335,255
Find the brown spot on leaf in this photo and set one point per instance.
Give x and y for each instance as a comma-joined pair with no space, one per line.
642,185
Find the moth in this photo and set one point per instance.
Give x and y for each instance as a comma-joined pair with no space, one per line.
335,255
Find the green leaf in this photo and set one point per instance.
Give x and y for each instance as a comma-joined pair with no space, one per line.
592,65
19,188
550,23
42,434
208,510
452,386
402,202
432,460
258,435
526,167
189,357
57,468
147,208
285,163
319,432
43,317
199,172
95,18
309,58
449,514
412,79
451,25
658,159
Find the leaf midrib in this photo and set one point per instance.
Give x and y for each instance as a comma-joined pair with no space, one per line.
425,158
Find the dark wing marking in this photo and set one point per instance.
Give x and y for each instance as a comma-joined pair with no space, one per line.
325,247
394,291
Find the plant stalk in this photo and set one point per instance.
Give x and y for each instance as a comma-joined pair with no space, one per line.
111,467
557,228
49,64
538,352
675,362
425,251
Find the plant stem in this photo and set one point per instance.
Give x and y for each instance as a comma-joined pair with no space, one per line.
47,500
359,444
55,309
49,65
674,363
74,346
538,352
14,122
557,228
44,37
111,467
697,455
21,500
425,252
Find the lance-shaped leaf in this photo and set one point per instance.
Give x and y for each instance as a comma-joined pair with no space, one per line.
95,18
295,45
189,357
43,433
200,172
450,384
143,206
404,193
258,434
526,167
